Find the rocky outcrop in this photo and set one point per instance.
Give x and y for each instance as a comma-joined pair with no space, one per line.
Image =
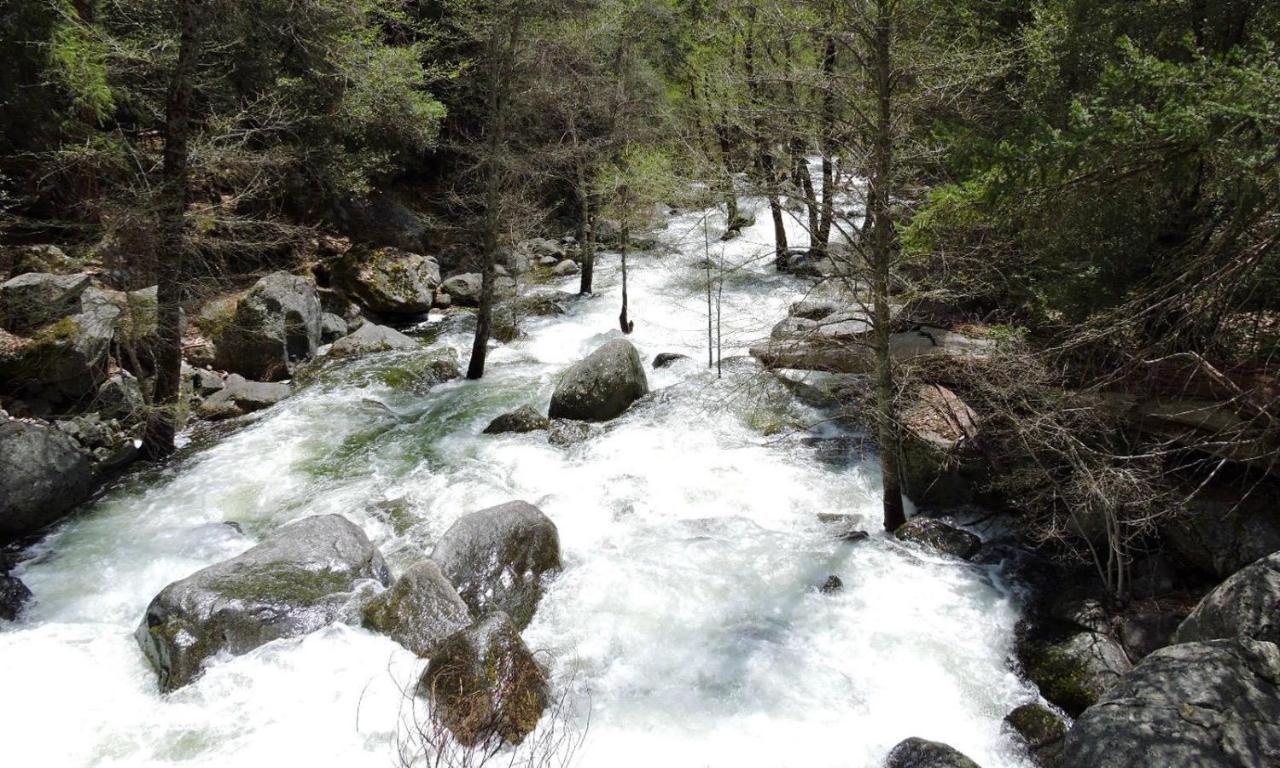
64,360
120,397
13,597
1220,533
388,281
920,753
276,326
370,338
1194,705
487,686
1245,605
806,348
601,386
31,300
526,418
295,582
419,610
43,476
108,444
21,259
497,559
940,537
240,396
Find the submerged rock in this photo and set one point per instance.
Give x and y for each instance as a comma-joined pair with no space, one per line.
43,475
1245,605
388,281
920,753
294,582
13,596
832,585
1038,725
420,610
370,338
665,359
486,684
497,559
843,527
601,386
276,326
526,418
939,536
564,433
1194,705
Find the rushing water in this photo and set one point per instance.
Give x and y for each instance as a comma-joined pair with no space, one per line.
686,620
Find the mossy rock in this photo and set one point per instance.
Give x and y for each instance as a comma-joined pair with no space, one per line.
1037,724
419,611
1072,669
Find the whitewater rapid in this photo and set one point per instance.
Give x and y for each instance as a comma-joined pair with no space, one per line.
686,622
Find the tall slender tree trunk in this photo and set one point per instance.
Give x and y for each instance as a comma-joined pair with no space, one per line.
764,153
586,237
499,54
822,237
158,439
625,236
734,221
880,205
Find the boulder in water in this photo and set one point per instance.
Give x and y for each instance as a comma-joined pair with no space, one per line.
13,596
664,359
939,536
464,289
1073,669
419,610
921,753
497,559
564,433
1193,705
1245,605
601,386
388,281
294,582
43,475
275,327
370,338
487,685
1038,725
526,418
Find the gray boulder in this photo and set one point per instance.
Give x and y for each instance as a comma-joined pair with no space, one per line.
296,581
370,338
388,281
464,289
565,268
120,397
1220,533
275,327
332,328
487,685
13,596
498,557
31,300
921,753
1245,605
240,396
65,360
22,259
1194,705
1073,669
564,433
43,475
939,536
601,386
526,418
419,610
664,359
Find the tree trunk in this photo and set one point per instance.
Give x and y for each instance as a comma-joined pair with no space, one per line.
625,236
158,439
880,202
586,238
822,237
764,153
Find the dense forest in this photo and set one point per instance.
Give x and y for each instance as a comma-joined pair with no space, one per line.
966,318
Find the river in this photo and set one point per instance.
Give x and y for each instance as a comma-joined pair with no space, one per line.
686,622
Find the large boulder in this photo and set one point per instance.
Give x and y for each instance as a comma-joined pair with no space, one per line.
1072,668
370,338
388,281
941,463
601,386
486,684
464,289
498,557
1245,605
120,397
940,537
526,418
21,259
240,396
275,327
65,360
31,300
43,475
921,753
1220,533
294,582
1194,705
420,610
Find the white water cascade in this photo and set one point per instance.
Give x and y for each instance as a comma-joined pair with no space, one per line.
687,616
